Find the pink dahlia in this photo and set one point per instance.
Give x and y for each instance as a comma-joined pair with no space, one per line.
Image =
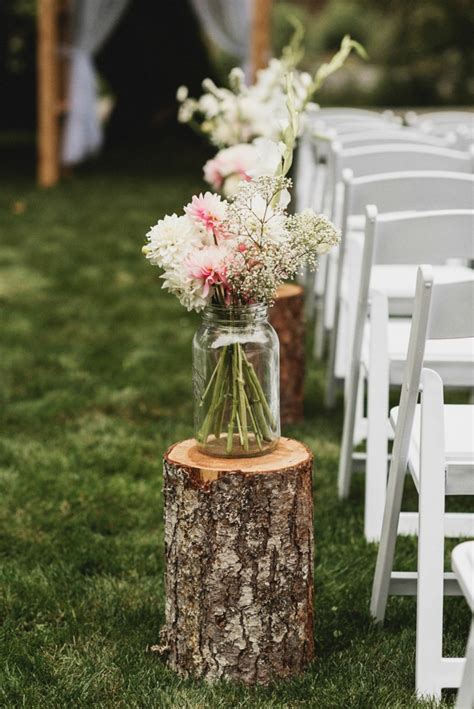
207,210
209,266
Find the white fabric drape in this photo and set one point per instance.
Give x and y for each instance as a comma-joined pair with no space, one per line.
92,22
227,22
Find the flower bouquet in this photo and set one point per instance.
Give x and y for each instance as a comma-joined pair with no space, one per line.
239,119
227,257
241,113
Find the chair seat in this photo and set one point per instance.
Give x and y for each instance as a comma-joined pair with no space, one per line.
463,567
452,359
399,282
459,446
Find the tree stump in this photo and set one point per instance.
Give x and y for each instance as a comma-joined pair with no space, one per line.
287,317
239,563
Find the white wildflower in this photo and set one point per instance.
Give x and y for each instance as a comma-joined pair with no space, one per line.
182,93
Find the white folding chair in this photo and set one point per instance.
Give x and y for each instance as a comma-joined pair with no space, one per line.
435,443
464,137
461,123
407,191
439,118
380,158
462,561
394,246
371,160
368,160
337,115
349,112
385,136
324,131
321,134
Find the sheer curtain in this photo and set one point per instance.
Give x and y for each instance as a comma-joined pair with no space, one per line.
227,22
92,22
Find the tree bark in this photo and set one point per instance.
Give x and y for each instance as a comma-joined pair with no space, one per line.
287,317
239,563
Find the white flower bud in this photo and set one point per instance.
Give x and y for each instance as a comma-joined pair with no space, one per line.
182,93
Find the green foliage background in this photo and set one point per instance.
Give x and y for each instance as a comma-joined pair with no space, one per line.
421,51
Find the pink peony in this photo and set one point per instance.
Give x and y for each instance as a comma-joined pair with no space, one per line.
208,211
213,173
208,265
230,166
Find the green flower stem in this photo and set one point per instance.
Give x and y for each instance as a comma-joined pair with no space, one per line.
261,396
256,428
242,408
207,424
208,388
257,395
222,403
236,392
230,429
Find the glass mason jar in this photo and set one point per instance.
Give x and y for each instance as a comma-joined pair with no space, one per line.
236,378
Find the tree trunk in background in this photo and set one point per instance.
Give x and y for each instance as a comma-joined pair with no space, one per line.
260,44
239,561
287,317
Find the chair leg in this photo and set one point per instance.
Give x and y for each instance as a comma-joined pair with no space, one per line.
310,296
465,698
319,302
388,540
347,445
332,301
377,432
429,614
330,400
319,331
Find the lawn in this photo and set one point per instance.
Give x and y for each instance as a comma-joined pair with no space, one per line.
95,385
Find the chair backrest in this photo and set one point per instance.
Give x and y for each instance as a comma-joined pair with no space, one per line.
451,311
407,239
391,239
407,191
388,135
323,133
413,239
440,117
376,159
335,111
442,311
338,126
464,136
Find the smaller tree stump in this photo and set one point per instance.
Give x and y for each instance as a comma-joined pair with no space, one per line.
239,563
287,317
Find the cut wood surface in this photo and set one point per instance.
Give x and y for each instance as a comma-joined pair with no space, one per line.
287,317
239,561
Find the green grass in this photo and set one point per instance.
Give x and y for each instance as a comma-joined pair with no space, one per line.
95,384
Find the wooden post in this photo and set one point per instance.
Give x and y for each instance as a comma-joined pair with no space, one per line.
48,91
239,563
260,36
287,317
